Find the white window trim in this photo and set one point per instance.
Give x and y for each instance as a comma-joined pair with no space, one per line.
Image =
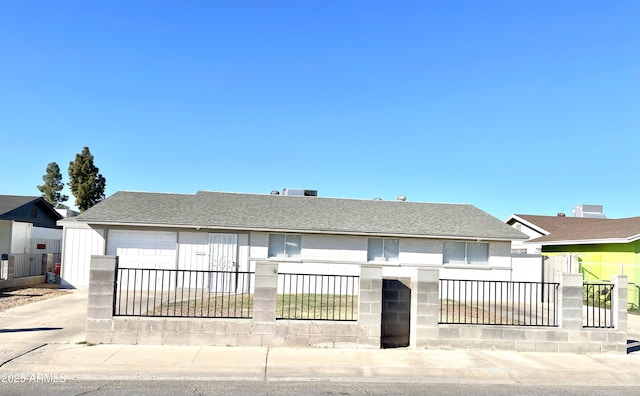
466,255
285,256
384,259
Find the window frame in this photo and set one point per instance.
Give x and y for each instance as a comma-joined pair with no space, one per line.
283,253
467,260
383,258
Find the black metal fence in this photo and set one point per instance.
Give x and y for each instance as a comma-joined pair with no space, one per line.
317,297
596,298
183,293
481,302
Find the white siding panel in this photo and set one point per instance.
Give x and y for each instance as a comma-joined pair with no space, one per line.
78,245
143,249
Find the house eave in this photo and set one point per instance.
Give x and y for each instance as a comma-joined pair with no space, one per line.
289,230
529,224
602,241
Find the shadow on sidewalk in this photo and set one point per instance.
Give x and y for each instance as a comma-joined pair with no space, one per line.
29,329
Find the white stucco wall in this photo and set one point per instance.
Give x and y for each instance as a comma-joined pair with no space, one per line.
330,254
322,252
527,268
21,237
18,237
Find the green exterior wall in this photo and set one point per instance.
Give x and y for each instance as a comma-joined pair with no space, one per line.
601,261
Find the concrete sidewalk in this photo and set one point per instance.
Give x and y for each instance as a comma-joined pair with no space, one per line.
141,362
45,338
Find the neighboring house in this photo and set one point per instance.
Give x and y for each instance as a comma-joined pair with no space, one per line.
222,231
28,225
597,247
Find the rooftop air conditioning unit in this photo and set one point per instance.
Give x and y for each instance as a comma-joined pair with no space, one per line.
592,211
299,193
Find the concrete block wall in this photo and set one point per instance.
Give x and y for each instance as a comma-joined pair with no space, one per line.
262,330
425,332
569,336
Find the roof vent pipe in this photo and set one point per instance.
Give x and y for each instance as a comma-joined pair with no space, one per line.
401,198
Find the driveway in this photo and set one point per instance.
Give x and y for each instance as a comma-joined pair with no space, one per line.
59,320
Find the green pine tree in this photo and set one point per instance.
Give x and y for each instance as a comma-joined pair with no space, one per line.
52,186
85,181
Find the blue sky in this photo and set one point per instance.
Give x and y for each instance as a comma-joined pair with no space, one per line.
527,106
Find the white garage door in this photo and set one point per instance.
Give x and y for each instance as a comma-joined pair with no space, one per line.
143,249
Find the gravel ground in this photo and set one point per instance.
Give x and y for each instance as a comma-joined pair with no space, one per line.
11,298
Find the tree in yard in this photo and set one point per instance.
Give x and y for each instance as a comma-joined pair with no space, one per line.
52,186
87,185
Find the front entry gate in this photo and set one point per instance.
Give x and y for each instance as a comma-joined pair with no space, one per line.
396,314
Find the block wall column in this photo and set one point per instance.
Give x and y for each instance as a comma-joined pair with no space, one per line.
370,306
570,296
619,306
619,301
263,326
102,276
424,307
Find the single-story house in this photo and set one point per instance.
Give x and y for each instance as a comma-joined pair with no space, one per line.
223,231
599,247
28,225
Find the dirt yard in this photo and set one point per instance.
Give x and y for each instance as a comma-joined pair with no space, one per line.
11,298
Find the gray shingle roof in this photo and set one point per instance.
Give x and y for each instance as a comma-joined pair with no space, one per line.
12,202
298,214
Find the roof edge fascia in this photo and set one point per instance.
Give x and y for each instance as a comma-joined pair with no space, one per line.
583,241
529,224
266,229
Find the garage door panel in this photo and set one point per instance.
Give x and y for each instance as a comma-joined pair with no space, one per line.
143,249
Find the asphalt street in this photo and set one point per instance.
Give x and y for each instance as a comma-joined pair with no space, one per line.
42,351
